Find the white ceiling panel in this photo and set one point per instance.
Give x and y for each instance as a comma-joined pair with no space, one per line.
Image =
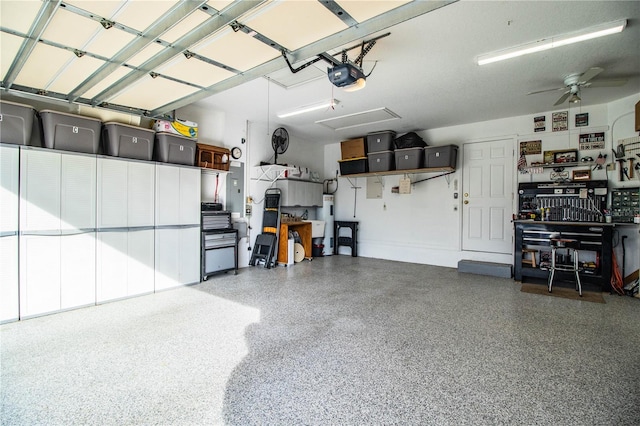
358,119
187,24
219,4
74,74
145,54
18,15
43,65
106,82
294,24
363,10
139,14
236,49
9,46
101,8
150,93
70,29
285,78
195,71
109,42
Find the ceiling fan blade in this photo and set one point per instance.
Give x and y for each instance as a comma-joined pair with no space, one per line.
562,98
546,90
590,73
608,83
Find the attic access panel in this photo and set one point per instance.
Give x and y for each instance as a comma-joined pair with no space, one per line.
364,118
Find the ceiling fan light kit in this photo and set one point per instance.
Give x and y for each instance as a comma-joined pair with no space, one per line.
553,42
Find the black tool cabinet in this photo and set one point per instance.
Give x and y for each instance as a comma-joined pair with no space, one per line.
533,237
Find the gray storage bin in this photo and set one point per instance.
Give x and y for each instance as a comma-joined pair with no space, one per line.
354,166
441,156
381,141
71,132
170,148
409,158
381,161
18,124
122,140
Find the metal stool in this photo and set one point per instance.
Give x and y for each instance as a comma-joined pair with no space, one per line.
572,247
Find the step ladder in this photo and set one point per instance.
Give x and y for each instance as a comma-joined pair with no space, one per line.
265,247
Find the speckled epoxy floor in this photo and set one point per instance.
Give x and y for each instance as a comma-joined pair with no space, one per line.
338,341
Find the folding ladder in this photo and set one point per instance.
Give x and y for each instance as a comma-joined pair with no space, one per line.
266,245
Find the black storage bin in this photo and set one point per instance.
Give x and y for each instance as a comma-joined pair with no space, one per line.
71,132
353,166
409,158
19,124
381,161
171,148
409,140
441,156
122,140
380,141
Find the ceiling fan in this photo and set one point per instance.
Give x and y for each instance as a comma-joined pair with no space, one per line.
575,82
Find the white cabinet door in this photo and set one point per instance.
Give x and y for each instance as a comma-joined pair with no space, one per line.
315,193
9,196
140,194
39,274
39,190
140,262
78,192
77,270
112,193
167,264
167,195
189,202
9,290
189,255
111,266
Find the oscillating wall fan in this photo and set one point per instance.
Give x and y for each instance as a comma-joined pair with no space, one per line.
574,83
279,142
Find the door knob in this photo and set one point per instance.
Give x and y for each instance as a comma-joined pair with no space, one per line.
466,201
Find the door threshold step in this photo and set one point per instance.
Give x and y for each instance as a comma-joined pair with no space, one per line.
478,267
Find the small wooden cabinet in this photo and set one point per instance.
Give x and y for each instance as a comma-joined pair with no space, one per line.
303,229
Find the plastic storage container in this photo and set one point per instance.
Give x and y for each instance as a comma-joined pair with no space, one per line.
440,156
353,166
381,161
71,132
409,158
122,140
381,141
170,148
18,122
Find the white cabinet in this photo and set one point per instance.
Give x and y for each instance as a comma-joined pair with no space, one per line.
9,200
125,264
177,195
125,248
57,224
177,234
300,193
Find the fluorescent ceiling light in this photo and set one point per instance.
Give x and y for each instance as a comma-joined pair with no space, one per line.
552,42
308,108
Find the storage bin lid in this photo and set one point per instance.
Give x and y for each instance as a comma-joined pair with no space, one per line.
417,148
174,135
381,132
16,104
115,123
352,159
50,111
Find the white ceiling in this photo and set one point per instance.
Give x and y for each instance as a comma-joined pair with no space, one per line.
426,72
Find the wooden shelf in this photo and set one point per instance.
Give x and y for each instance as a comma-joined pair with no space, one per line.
402,172
558,165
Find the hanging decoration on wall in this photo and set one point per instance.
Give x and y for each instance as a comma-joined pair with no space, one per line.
591,141
582,119
560,121
531,147
522,163
539,123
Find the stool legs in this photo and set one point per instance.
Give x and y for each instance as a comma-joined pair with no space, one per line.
553,267
575,270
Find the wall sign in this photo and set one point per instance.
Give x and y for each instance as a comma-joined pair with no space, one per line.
539,123
560,121
582,119
591,141
530,147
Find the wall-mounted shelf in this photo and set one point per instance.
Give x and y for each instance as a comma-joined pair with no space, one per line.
270,172
207,171
558,165
402,172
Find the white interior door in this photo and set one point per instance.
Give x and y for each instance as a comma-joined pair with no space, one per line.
488,196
